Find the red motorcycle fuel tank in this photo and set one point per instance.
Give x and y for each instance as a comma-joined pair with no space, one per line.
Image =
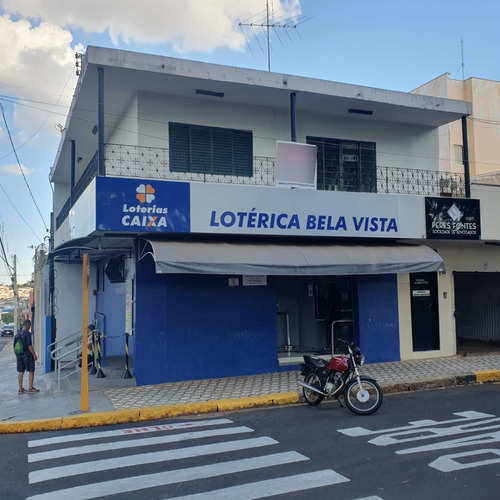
338,363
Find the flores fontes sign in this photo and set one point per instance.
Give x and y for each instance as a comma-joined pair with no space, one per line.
448,218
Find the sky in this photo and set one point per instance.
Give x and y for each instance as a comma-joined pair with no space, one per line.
389,44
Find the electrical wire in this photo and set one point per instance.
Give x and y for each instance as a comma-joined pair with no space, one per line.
46,119
19,213
21,168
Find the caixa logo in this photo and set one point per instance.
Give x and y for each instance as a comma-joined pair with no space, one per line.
145,213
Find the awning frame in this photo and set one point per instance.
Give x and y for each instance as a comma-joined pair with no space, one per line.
189,257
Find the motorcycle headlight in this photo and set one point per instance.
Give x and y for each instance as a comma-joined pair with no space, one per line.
361,360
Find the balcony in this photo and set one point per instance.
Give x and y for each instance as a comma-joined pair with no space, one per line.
153,163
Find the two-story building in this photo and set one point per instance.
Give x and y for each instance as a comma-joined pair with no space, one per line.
224,210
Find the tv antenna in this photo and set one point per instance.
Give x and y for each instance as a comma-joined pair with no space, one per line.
270,21
463,65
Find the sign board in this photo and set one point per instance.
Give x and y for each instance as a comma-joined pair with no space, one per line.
140,205
257,280
453,218
295,165
153,206
229,209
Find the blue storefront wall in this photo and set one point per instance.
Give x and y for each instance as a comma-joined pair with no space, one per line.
377,317
190,327
110,307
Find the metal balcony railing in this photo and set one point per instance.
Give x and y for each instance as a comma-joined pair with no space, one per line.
153,163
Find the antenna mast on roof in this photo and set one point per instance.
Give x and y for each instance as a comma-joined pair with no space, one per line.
463,65
268,22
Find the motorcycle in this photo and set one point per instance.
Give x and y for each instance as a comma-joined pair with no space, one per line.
340,376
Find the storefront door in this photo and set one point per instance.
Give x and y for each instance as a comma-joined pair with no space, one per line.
424,311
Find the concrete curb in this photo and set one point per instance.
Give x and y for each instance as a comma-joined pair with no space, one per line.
157,412
145,413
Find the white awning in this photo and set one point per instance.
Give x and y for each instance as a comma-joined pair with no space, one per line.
282,259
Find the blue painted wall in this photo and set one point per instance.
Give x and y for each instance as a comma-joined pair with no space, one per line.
47,340
111,303
377,317
192,327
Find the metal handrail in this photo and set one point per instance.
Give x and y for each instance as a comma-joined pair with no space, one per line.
64,356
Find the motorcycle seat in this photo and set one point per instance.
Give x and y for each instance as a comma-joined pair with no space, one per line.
314,361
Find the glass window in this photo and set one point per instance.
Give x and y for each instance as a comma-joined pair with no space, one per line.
344,165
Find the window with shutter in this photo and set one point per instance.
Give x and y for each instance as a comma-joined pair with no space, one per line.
210,150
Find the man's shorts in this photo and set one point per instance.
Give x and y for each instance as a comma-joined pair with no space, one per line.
25,363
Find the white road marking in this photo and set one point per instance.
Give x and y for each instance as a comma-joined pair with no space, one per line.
447,463
480,439
117,445
136,483
466,417
433,432
271,487
132,431
146,458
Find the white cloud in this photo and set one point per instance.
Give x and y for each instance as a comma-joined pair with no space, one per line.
37,66
189,25
14,169
37,51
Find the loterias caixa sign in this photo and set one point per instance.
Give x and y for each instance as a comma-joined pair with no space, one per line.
452,218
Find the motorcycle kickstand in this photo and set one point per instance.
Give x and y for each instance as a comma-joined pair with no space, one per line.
341,403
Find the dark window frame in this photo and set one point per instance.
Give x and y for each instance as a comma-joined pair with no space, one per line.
200,149
345,165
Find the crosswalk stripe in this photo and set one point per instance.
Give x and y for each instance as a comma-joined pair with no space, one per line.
146,458
133,443
271,487
131,431
135,483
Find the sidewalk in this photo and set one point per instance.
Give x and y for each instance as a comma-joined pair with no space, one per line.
116,400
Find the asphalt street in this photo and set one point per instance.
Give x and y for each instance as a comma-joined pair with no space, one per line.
433,444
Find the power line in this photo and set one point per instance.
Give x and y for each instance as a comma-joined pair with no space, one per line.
19,213
45,121
21,168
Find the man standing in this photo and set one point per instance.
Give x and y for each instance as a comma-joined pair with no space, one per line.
26,360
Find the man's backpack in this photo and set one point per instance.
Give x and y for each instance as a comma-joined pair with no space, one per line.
18,345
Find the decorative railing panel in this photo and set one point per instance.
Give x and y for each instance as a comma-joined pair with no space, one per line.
420,182
153,163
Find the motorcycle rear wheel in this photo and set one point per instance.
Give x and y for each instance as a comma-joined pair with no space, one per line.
363,400
312,398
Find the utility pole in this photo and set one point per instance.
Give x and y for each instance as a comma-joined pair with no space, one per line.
16,297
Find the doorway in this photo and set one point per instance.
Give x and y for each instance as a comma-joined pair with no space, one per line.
424,311
306,308
477,312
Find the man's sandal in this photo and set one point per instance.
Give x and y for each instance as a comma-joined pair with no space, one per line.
21,391
32,390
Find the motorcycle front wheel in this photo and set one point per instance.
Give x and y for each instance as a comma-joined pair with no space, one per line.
311,397
365,399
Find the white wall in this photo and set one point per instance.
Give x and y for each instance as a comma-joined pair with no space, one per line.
407,146
127,128
489,197
68,299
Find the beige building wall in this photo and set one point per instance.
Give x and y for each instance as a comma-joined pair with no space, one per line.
483,126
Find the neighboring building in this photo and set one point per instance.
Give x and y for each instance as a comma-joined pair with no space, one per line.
478,311
483,125
221,207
